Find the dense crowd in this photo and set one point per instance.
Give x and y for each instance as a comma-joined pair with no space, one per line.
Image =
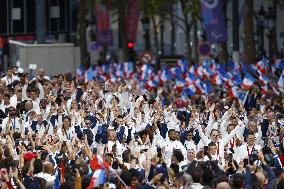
60,132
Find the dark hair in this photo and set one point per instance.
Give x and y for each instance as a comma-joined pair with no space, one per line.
126,177
66,117
175,168
171,130
67,185
196,175
213,130
280,185
249,133
126,156
207,177
37,166
238,180
133,172
211,144
178,154
26,168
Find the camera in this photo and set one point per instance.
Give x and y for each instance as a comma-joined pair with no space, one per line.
253,157
38,148
115,164
205,150
230,159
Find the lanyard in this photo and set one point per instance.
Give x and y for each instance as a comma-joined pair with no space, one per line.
232,144
250,153
218,150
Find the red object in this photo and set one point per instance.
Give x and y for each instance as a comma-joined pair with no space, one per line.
282,159
29,156
130,44
62,171
2,42
92,183
95,164
146,57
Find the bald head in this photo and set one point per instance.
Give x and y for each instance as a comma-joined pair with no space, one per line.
41,72
223,185
261,177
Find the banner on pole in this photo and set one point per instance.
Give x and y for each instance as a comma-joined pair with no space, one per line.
213,21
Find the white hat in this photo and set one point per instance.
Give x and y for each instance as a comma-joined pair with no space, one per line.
20,70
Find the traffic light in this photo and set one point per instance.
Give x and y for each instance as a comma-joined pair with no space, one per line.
131,51
130,45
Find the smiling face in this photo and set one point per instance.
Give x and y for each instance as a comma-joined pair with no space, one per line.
190,155
250,139
214,135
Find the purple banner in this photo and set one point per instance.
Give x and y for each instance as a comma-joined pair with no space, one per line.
104,33
213,21
132,19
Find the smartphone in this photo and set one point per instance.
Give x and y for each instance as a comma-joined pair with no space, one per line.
38,148
246,162
95,150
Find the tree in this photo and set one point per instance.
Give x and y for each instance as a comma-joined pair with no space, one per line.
81,32
223,55
191,13
249,43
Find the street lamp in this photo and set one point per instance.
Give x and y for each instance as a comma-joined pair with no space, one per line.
260,18
271,23
146,27
281,36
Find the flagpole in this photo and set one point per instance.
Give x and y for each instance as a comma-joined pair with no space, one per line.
118,177
245,98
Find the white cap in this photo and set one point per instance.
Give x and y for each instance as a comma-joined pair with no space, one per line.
20,70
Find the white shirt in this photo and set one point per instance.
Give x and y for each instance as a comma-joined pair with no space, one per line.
189,144
47,177
196,186
9,80
3,106
244,151
14,100
68,135
13,125
119,147
169,146
221,143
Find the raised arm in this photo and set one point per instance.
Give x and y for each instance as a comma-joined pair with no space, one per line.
24,92
41,91
203,137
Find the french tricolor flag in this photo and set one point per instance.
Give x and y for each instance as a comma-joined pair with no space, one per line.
199,71
263,79
128,69
233,92
264,90
190,90
236,92
182,63
179,85
165,76
190,78
217,80
207,72
253,68
262,66
280,82
99,166
119,71
248,81
151,84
